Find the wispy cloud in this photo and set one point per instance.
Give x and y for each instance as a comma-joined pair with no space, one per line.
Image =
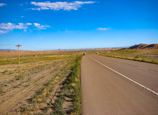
28,23
59,5
103,29
2,31
21,4
39,26
2,4
5,27
11,26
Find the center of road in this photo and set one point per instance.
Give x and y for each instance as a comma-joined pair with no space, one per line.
126,77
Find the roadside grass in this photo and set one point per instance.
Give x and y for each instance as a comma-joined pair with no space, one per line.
70,73
70,88
75,83
42,95
125,51
128,54
58,106
72,83
132,58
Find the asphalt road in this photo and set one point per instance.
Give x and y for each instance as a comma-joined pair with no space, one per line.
112,86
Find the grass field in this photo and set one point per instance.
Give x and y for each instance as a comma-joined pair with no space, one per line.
143,55
50,82
46,84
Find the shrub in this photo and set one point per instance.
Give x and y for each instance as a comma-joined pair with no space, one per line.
155,62
5,71
1,89
20,76
136,57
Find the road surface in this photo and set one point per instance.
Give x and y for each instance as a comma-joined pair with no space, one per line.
112,86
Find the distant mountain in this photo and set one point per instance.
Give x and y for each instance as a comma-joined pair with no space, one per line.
144,46
152,46
8,50
11,50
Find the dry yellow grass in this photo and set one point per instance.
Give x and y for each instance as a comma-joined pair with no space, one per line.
14,54
145,55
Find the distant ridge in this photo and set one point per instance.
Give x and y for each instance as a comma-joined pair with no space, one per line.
153,46
11,50
8,50
144,46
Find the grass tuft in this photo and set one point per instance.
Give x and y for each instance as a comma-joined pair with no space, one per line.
1,89
136,57
5,71
20,76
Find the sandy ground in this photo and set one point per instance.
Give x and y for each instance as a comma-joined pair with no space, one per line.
15,92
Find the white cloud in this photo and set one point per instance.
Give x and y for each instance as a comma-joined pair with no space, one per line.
39,26
2,31
47,26
2,4
59,5
4,27
22,4
103,29
11,26
28,24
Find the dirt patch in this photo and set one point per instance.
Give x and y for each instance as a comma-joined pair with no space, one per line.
18,90
36,86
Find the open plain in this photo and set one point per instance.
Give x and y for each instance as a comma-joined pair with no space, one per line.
41,85
48,82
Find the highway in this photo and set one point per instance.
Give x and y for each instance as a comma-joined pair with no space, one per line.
112,86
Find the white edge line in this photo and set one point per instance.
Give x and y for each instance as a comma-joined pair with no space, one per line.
126,77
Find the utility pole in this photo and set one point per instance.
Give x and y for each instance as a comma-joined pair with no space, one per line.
18,53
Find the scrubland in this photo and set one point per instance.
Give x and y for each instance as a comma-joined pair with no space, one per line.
143,55
46,84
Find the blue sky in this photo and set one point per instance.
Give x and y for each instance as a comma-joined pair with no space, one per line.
70,24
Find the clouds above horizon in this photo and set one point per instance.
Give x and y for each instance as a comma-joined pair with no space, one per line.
2,4
59,5
39,26
11,26
2,31
5,27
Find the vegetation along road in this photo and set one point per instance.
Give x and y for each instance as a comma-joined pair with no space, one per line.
45,85
113,86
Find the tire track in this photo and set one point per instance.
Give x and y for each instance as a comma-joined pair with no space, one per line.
10,103
15,90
